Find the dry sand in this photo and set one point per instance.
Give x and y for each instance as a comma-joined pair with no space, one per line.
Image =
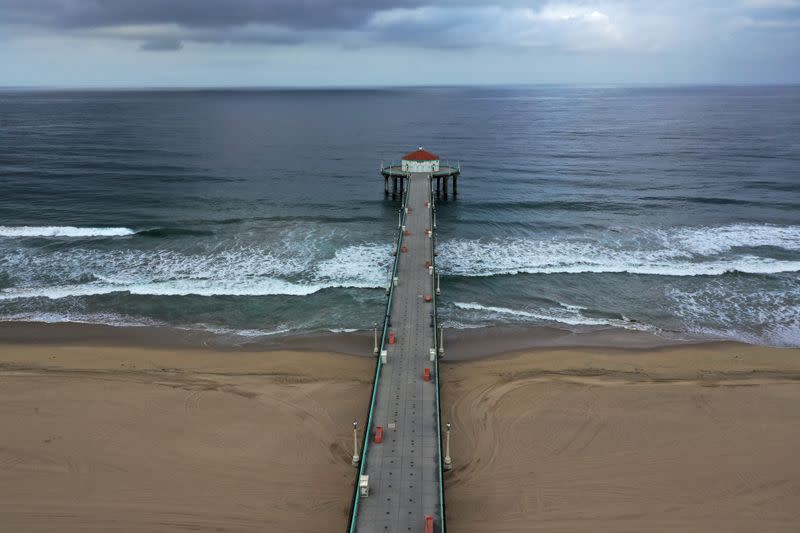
697,438
126,438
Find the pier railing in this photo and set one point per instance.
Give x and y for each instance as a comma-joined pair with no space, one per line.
386,318
396,170
432,212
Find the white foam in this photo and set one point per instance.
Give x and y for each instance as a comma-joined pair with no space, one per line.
62,231
563,314
241,271
363,265
725,310
709,240
552,256
260,287
110,319
107,319
220,330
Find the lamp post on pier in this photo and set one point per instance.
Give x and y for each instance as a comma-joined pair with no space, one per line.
356,458
448,463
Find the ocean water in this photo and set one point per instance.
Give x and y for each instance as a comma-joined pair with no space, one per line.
671,210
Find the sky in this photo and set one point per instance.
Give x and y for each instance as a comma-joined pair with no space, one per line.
323,43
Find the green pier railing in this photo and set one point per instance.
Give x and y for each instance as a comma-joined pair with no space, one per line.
386,317
432,210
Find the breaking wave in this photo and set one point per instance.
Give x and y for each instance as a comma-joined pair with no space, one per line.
236,272
572,315
676,252
62,231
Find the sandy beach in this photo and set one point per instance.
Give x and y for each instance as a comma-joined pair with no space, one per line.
693,438
131,438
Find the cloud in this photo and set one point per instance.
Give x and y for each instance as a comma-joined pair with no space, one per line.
768,15
564,26
298,14
527,36
161,45
160,24
771,4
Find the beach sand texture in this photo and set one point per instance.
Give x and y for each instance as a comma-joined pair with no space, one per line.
696,438
148,440
679,439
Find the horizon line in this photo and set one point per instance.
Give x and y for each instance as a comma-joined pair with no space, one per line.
245,87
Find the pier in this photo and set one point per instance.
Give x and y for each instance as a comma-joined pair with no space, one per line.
415,162
399,480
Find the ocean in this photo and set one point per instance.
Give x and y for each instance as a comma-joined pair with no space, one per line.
250,213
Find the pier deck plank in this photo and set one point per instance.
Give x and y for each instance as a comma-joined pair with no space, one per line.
404,469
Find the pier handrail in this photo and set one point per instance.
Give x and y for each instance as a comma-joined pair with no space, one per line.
432,210
393,170
367,428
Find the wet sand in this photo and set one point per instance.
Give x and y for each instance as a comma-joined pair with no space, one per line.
461,344
132,438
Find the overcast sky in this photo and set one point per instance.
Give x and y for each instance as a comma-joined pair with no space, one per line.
396,42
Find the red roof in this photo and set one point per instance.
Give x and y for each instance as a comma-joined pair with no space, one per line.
420,155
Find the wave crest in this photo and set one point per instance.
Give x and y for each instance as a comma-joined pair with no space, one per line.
571,315
62,231
700,251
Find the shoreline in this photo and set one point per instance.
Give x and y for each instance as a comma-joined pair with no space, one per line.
460,344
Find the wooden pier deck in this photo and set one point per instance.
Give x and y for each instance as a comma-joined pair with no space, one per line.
405,469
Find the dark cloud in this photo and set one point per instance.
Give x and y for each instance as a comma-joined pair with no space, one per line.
161,45
237,21
572,25
296,14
